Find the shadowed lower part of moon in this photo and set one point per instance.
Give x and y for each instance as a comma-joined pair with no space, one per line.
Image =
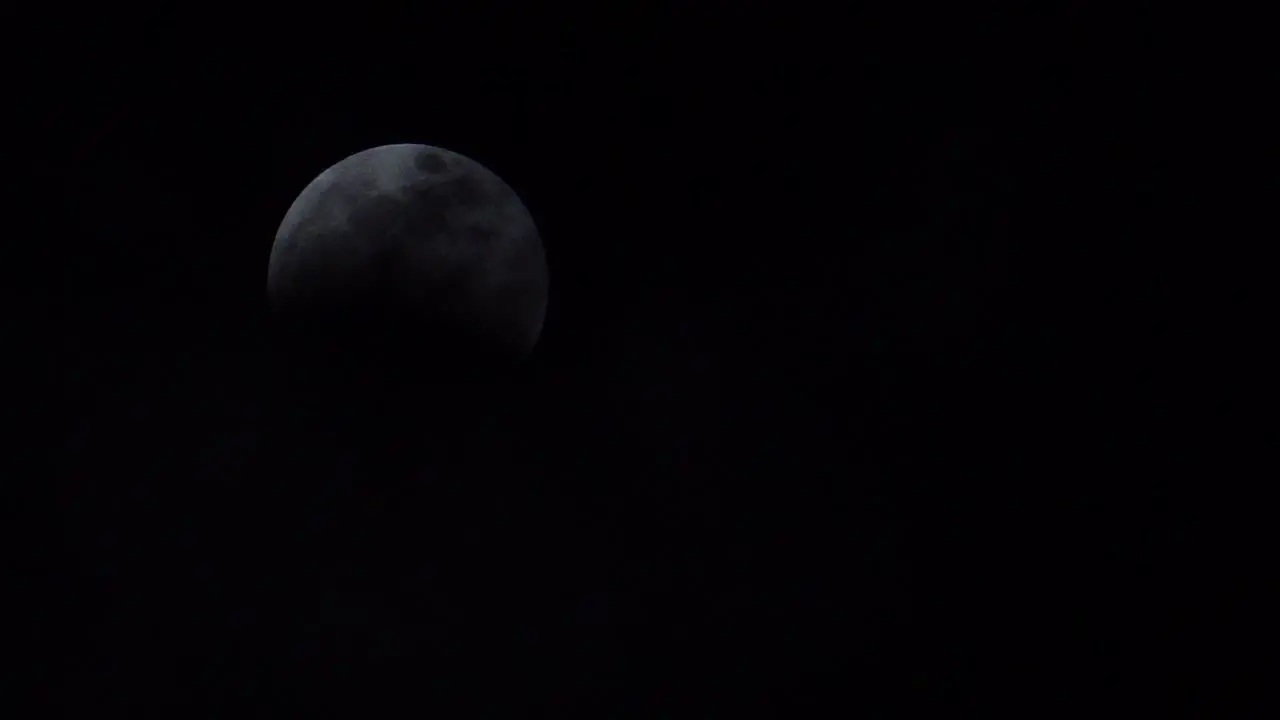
412,255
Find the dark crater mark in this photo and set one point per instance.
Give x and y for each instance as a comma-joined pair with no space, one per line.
430,162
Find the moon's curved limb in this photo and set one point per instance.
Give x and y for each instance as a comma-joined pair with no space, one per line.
420,229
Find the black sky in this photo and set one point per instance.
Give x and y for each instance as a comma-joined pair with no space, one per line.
783,441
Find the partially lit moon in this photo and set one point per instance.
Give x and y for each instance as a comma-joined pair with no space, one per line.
412,243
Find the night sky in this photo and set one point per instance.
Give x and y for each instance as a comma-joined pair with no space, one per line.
782,443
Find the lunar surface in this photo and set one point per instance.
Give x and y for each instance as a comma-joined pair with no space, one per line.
411,246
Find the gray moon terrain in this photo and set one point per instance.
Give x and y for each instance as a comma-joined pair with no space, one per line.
414,244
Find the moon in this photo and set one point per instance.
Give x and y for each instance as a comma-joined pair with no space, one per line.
415,246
